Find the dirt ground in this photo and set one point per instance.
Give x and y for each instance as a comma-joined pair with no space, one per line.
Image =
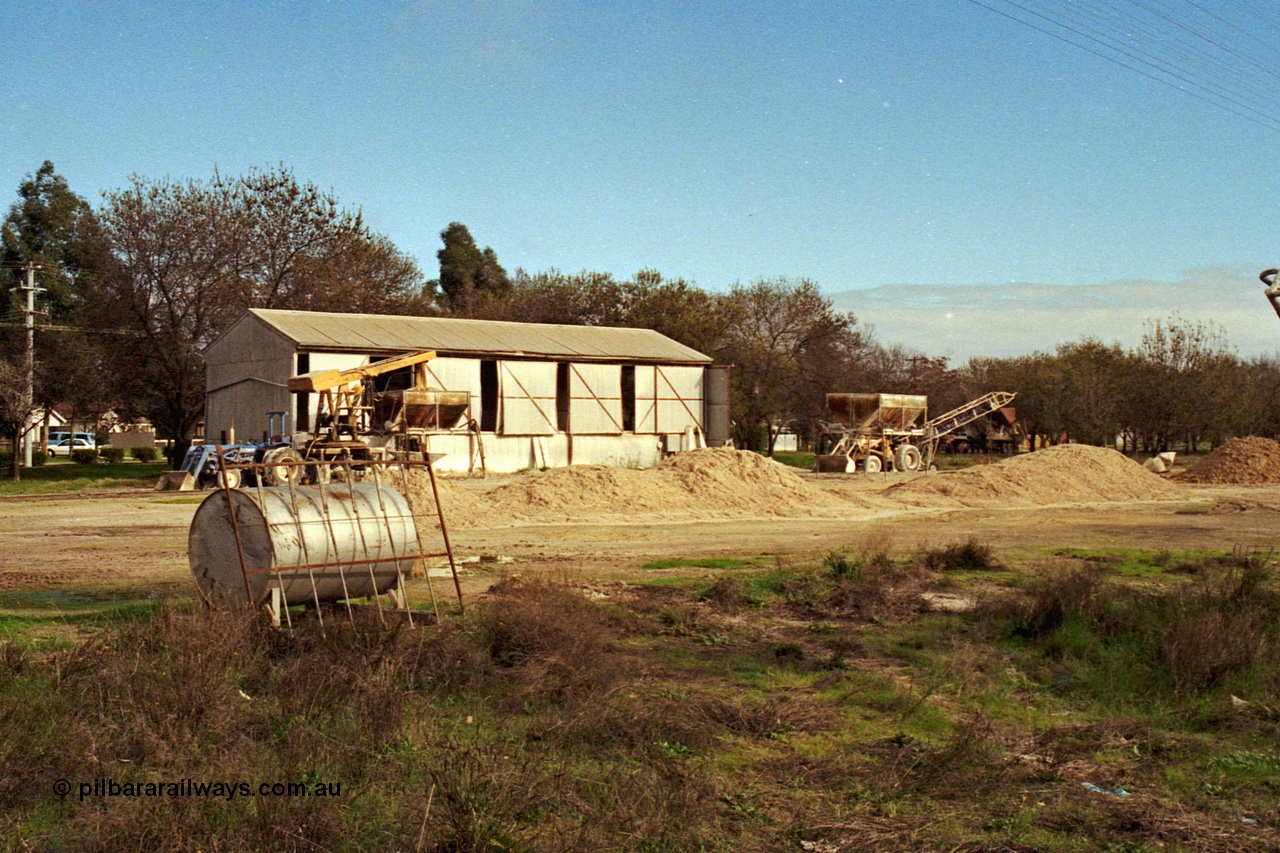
134,544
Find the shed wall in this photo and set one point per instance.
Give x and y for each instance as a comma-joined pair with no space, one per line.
508,454
679,392
528,394
246,376
249,367
595,399
239,411
646,399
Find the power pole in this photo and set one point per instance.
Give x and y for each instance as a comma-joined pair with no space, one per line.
29,322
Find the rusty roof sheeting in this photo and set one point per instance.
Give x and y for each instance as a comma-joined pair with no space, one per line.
315,330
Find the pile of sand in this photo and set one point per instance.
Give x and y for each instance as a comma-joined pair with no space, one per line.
700,484
1068,473
738,479
1241,461
710,484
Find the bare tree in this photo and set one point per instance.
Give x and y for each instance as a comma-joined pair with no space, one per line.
784,339
294,247
13,408
192,256
1180,395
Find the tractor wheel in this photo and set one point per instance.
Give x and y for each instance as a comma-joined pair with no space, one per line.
872,465
276,470
907,458
228,479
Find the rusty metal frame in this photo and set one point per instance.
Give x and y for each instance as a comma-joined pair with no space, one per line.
353,469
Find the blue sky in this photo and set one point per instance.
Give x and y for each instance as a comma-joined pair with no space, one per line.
860,144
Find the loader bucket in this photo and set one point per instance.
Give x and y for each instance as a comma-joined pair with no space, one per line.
837,464
175,481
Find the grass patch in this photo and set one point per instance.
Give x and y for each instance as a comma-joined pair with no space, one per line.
1143,561
72,478
1217,631
705,563
795,459
813,706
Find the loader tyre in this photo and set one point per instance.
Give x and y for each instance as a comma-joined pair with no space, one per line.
872,465
274,473
907,458
228,479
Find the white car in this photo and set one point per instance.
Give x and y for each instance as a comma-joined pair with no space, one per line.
64,447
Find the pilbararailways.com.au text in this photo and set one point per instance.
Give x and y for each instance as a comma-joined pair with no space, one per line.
191,788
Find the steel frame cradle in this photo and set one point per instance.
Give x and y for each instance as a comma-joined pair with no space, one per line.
375,467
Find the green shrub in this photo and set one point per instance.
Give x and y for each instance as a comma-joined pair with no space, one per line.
144,454
842,567
84,455
788,652
1218,631
113,455
968,556
38,457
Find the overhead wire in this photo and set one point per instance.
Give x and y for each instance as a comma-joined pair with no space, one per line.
1120,41
1193,55
1232,25
1197,66
1171,43
1210,61
1256,15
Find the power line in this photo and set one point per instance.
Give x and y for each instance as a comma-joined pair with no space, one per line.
49,327
1095,29
1150,42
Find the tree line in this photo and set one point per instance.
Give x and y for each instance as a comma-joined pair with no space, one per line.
1182,387
135,287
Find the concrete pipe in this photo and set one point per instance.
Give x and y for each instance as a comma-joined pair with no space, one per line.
324,543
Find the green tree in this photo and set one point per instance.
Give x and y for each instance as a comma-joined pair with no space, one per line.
1037,380
468,274
580,299
1095,384
1180,396
51,226
677,309
292,246
1254,397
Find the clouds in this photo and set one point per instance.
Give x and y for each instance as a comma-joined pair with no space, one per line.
963,321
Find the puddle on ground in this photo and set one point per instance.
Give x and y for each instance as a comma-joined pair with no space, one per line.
79,598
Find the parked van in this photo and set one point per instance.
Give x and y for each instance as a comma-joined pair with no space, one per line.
58,435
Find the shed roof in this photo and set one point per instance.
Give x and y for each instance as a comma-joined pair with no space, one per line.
322,331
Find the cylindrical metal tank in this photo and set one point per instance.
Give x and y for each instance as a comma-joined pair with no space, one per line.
330,542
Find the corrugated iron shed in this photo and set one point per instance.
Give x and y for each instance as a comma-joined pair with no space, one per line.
374,333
